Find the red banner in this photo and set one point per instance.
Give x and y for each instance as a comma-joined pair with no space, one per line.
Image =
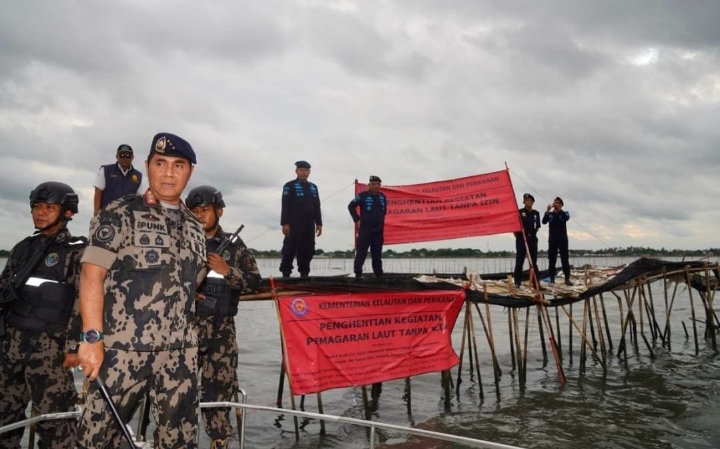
443,210
334,341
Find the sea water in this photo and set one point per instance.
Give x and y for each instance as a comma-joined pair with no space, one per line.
669,399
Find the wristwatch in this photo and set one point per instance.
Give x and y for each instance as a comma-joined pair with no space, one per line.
91,336
229,276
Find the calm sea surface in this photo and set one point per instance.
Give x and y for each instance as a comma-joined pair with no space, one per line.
667,400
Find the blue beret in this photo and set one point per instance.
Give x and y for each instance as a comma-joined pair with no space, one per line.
375,179
302,164
171,145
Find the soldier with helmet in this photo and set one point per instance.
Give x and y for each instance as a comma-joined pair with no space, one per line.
230,273
38,336
140,271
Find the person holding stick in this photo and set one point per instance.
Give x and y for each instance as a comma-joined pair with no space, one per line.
232,271
145,259
38,333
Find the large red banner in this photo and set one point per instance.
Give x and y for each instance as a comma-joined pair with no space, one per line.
335,341
464,207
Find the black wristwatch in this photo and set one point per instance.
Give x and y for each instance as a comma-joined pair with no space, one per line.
229,276
91,336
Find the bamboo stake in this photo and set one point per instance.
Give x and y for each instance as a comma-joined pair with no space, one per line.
525,351
692,311
512,342
570,335
600,333
607,325
542,339
466,326
518,348
491,341
477,358
276,301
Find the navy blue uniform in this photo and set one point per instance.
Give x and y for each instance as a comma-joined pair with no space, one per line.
117,184
530,219
370,235
557,241
300,210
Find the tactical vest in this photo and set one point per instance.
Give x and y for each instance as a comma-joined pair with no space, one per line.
117,184
220,299
49,297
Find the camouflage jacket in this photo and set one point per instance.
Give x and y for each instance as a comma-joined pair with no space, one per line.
154,263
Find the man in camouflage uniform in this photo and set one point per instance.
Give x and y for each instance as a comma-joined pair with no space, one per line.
38,337
140,271
232,271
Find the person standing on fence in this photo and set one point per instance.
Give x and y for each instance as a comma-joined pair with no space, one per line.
301,221
231,272
556,218
144,262
530,219
370,225
37,332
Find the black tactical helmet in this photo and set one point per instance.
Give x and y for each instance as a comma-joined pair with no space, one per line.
204,196
55,193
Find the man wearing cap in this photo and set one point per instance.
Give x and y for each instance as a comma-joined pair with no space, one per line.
118,179
144,261
301,221
557,219
530,219
369,226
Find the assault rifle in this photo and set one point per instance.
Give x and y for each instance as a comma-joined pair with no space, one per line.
19,279
209,301
223,246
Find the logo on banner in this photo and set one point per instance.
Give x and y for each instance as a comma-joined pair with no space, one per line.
299,307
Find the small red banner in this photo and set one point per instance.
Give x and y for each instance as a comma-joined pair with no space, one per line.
464,207
335,341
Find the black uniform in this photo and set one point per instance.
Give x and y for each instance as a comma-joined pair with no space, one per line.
558,241
300,210
530,219
370,235
39,333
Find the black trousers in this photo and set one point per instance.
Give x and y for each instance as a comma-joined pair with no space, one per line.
374,241
301,244
555,246
521,254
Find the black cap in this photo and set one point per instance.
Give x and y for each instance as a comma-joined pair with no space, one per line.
124,148
559,200
527,195
171,145
302,164
375,179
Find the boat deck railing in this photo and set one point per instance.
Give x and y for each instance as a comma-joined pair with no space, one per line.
372,425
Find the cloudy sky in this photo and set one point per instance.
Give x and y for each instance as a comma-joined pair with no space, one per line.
612,105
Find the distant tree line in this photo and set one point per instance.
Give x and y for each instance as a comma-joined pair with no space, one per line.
466,253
